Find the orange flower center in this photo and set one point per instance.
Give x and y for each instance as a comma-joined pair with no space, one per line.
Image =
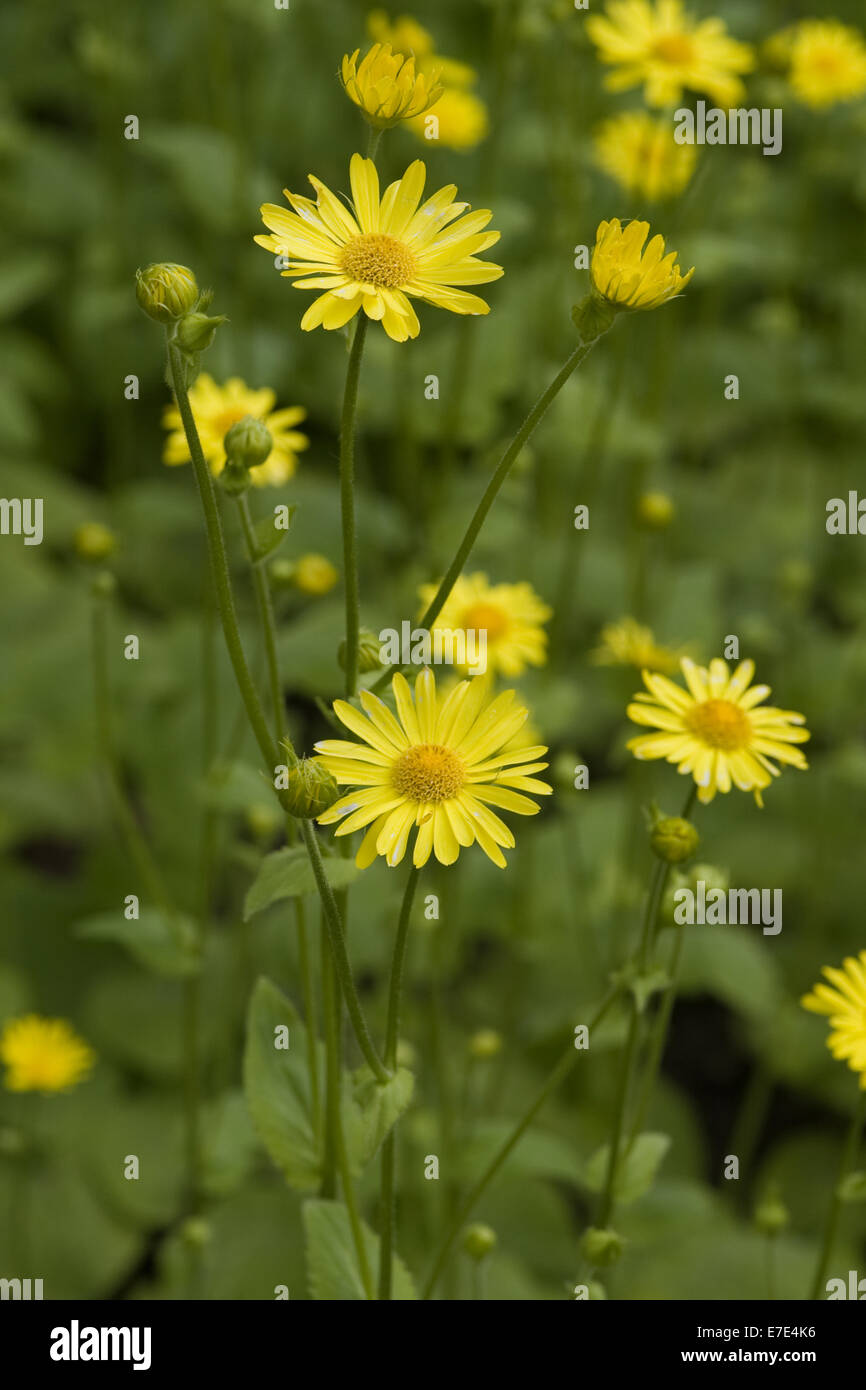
675,49
486,617
719,723
377,259
428,772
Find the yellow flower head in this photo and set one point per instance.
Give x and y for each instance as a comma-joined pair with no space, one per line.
628,276
845,1005
663,47
216,408
385,252
94,541
510,614
627,643
314,575
386,86
404,33
827,62
461,121
438,766
714,730
640,152
43,1054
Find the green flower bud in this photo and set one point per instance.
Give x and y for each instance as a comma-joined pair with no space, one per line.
485,1044
195,1232
282,573
601,1247
166,291
771,1215
93,541
673,839
248,443
592,317
103,585
311,789
262,820
655,510
479,1240
369,658
195,332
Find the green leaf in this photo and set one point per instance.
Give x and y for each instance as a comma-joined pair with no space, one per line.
277,1087
229,1144
852,1188
332,1260
287,874
166,945
270,537
373,1109
637,1171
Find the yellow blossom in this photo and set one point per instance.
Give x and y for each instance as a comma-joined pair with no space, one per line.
629,277
43,1054
627,643
826,62
314,575
217,408
640,152
511,616
845,1005
386,87
462,121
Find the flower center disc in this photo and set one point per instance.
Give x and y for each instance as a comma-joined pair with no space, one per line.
675,49
428,772
377,259
720,723
484,617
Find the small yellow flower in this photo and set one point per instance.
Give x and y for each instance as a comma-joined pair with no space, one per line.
217,408
845,1005
655,510
314,575
510,614
43,1054
629,277
664,47
462,121
404,33
386,87
627,643
826,62
640,152
715,731
393,249
438,766
93,541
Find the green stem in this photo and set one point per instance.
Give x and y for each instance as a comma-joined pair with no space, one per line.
266,615
554,1080
491,492
659,1039
386,1237
347,503
846,1162
337,941
309,995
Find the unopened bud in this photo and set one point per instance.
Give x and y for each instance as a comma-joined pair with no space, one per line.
196,1232
479,1240
195,332
771,1215
311,789
673,839
601,1247
369,651
93,541
655,510
248,443
166,291
485,1044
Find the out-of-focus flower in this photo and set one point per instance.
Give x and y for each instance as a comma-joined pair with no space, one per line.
640,152
715,731
386,87
462,120
438,767
628,643
825,61
43,1054
629,277
392,250
314,575
663,47
655,510
461,123
217,408
845,1005
511,615
93,541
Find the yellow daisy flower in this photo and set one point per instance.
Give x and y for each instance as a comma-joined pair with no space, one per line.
663,47
627,643
43,1054
510,614
438,766
462,120
714,730
628,276
845,1005
391,249
386,87
827,63
640,152
216,408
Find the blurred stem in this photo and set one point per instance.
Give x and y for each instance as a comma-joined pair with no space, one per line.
751,1115
309,995
554,1080
386,1237
503,468
373,143
266,615
846,1162
347,502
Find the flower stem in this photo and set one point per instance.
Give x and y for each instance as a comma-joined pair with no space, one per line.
309,995
491,492
266,615
386,1236
831,1226
555,1079
347,503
